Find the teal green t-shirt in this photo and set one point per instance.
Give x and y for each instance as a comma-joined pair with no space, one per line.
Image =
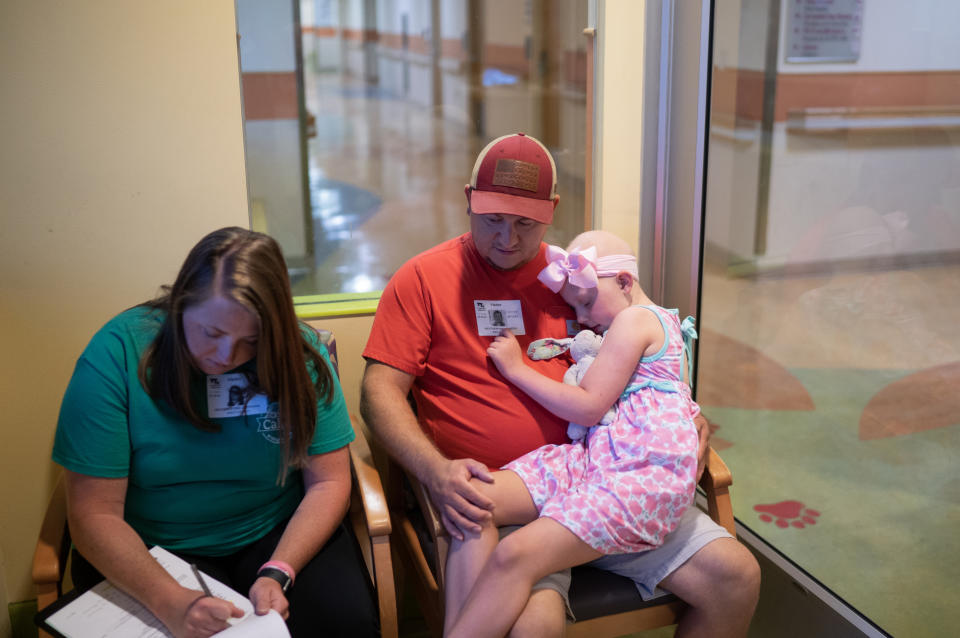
207,493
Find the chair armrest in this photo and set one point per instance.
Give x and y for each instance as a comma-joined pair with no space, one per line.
53,543
716,482
371,524
430,514
436,530
716,474
367,481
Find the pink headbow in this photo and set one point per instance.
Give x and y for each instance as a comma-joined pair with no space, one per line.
577,267
582,268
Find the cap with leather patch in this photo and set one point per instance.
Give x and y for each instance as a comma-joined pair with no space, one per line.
514,175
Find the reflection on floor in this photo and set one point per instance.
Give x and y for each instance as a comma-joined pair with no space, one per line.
835,404
338,209
383,174
387,179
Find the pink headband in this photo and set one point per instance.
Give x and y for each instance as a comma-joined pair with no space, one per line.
582,268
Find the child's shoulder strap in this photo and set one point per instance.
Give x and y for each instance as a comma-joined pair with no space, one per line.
687,329
689,334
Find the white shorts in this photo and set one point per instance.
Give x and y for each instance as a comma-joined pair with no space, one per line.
647,569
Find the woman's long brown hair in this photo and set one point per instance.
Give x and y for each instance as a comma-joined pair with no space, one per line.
246,267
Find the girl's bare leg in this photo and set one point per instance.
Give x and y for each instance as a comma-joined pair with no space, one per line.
466,558
517,562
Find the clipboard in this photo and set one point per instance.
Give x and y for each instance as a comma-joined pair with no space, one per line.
40,619
102,610
106,611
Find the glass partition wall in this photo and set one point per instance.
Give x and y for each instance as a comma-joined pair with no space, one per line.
829,359
399,97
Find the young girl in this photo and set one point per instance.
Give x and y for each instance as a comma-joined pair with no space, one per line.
622,488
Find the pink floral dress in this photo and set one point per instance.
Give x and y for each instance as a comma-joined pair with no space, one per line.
625,485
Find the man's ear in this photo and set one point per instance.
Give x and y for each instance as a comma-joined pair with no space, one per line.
556,200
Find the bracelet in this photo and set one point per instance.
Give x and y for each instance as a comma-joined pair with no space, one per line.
276,574
195,601
282,566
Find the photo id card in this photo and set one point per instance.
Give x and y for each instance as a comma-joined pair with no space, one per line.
225,395
494,316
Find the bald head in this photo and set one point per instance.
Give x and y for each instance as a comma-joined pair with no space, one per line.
606,243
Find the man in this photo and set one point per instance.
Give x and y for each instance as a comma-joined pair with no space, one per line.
430,335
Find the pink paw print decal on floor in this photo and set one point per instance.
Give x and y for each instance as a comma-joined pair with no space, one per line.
788,514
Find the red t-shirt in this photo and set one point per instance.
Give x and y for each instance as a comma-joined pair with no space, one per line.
426,325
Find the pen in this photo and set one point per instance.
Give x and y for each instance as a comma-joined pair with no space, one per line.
203,584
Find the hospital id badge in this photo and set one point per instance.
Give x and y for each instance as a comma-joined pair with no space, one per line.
225,396
494,316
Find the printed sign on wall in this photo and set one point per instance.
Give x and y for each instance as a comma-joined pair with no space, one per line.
823,30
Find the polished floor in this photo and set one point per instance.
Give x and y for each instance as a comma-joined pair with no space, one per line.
834,393
835,404
387,181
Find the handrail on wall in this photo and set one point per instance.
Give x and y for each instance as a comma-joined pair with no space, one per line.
838,119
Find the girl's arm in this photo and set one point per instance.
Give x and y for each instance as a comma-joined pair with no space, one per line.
95,512
634,332
326,481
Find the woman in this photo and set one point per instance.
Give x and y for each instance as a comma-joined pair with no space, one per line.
158,451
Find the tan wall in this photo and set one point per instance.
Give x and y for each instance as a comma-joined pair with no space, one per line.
122,145
618,103
351,334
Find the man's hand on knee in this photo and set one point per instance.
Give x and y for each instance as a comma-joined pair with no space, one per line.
460,505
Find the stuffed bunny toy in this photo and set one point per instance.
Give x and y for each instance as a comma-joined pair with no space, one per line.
583,348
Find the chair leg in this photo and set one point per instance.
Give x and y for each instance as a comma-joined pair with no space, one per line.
47,593
386,589
416,574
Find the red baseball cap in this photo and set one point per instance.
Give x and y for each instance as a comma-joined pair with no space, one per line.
514,175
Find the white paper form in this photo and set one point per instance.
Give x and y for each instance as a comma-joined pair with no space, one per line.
106,612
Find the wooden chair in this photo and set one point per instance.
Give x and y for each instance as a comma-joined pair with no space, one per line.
369,517
604,604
